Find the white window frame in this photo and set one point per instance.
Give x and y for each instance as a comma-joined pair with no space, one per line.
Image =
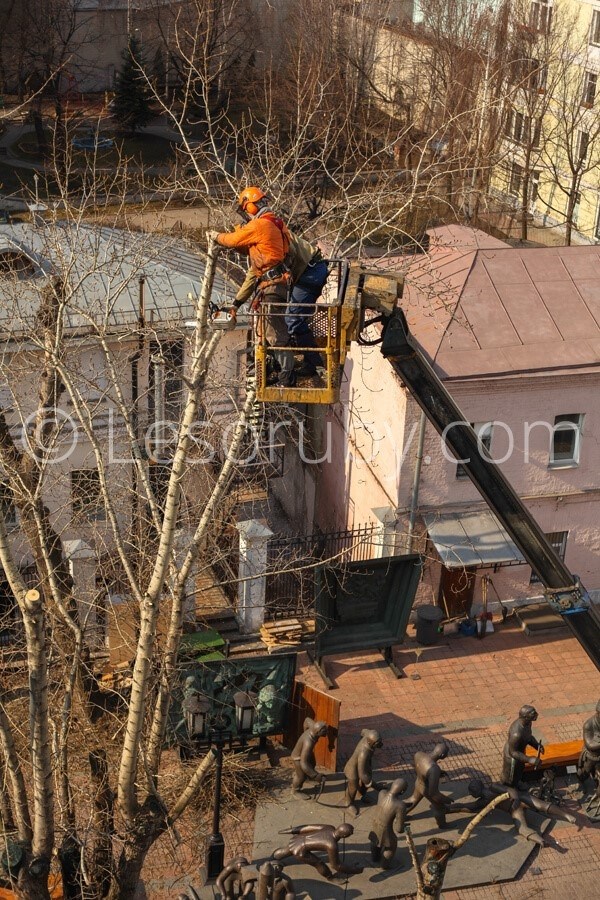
533,188
597,228
594,38
583,143
484,432
520,127
540,15
567,422
516,178
576,208
590,79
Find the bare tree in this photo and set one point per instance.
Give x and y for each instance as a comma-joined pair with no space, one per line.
68,350
571,149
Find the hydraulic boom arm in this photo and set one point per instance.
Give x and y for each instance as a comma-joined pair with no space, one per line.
563,590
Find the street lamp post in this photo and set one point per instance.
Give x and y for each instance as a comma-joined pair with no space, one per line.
216,731
215,845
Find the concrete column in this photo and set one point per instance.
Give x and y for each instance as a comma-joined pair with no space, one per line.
82,566
384,543
250,612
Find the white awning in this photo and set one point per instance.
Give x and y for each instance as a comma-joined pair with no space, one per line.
471,539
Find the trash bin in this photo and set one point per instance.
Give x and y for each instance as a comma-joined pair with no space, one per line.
428,620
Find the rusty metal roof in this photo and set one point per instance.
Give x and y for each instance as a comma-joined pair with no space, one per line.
479,307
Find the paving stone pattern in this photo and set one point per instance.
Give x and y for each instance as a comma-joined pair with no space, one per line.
469,690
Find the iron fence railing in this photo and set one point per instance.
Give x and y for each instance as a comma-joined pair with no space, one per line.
291,564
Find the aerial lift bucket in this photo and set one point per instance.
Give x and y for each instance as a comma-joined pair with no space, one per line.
331,321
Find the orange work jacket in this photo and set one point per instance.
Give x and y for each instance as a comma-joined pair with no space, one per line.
265,240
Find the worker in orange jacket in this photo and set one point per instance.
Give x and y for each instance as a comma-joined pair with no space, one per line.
264,238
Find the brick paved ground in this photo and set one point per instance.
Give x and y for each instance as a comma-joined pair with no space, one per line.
469,691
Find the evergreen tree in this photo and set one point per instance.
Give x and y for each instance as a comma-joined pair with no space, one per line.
159,76
131,106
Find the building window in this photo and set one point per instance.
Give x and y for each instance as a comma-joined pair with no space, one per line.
537,75
576,207
159,475
515,186
534,188
558,539
595,29
540,15
566,440
597,230
583,143
589,89
86,496
8,510
166,380
483,430
519,127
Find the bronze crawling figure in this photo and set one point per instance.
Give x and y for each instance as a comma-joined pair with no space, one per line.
307,840
516,805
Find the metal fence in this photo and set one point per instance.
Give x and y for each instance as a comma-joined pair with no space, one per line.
291,564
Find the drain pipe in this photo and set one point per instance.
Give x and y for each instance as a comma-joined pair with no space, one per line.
414,500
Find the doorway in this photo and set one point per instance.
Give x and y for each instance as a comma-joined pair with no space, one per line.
455,594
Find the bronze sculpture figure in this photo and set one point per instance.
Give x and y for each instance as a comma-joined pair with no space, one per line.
359,768
390,815
267,882
283,886
514,757
516,805
310,839
427,783
303,756
588,765
231,877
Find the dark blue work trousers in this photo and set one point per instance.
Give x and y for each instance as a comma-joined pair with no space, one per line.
305,294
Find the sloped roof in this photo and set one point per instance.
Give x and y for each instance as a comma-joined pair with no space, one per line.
103,266
479,307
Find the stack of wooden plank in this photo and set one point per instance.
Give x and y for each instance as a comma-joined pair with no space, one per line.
286,632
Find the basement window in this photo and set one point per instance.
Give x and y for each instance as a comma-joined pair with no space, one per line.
558,539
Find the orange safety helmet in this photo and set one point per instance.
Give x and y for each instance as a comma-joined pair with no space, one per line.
250,201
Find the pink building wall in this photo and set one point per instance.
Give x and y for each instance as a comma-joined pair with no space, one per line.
376,424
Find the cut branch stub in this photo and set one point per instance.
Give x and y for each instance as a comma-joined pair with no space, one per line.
33,601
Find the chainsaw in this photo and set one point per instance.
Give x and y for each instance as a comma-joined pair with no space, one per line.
219,317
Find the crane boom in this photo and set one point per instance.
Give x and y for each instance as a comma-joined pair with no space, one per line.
563,590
